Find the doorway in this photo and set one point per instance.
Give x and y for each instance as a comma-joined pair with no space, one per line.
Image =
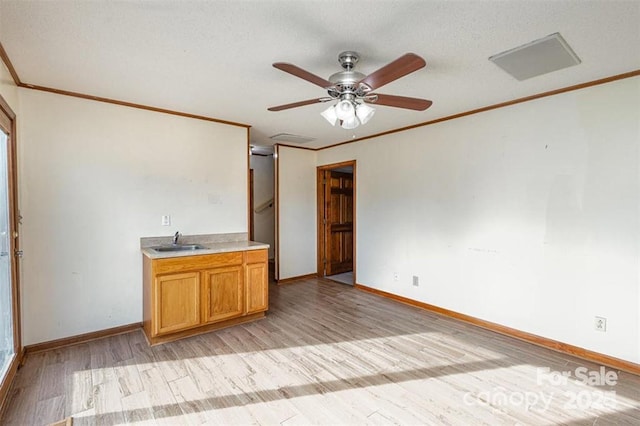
336,221
261,199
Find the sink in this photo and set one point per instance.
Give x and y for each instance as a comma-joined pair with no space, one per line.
179,247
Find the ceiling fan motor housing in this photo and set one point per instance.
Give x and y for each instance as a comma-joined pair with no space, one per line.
346,82
348,59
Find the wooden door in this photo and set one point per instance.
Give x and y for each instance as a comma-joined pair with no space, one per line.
177,299
223,293
338,222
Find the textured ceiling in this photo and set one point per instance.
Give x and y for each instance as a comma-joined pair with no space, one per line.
214,58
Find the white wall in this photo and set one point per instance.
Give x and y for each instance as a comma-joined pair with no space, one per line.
263,184
95,178
527,216
297,212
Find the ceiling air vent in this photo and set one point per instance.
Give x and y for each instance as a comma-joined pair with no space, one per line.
548,54
288,137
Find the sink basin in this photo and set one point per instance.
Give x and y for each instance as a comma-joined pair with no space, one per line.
179,247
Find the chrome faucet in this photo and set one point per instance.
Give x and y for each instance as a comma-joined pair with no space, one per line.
175,237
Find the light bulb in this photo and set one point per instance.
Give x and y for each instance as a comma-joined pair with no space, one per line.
350,123
345,110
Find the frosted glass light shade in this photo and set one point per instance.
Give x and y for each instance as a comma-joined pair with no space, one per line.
330,115
345,110
350,123
364,113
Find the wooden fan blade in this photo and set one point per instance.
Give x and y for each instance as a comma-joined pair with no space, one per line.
405,64
399,102
297,104
305,75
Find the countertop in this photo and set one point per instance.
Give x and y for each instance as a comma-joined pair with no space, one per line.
214,243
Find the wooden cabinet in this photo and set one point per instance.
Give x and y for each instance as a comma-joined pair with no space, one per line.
222,293
177,302
195,294
257,278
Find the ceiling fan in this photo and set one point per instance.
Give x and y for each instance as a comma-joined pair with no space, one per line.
353,90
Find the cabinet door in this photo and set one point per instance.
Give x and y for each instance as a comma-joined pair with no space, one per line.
223,293
177,300
257,287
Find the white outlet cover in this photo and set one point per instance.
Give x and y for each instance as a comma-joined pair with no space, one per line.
166,220
600,324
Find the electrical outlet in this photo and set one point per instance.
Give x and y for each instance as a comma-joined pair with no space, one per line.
396,276
600,324
166,220
416,281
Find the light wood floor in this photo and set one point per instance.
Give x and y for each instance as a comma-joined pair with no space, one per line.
326,354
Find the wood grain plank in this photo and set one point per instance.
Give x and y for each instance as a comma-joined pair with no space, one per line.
326,353
50,410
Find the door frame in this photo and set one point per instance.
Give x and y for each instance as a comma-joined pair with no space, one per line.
251,212
320,214
8,117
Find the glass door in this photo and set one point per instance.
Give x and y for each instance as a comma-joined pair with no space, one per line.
7,347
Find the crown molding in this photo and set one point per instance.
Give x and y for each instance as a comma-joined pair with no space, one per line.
131,105
9,65
5,58
297,147
494,106
479,110
19,83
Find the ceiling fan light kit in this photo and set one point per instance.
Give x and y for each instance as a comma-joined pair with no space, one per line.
352,89
350,113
